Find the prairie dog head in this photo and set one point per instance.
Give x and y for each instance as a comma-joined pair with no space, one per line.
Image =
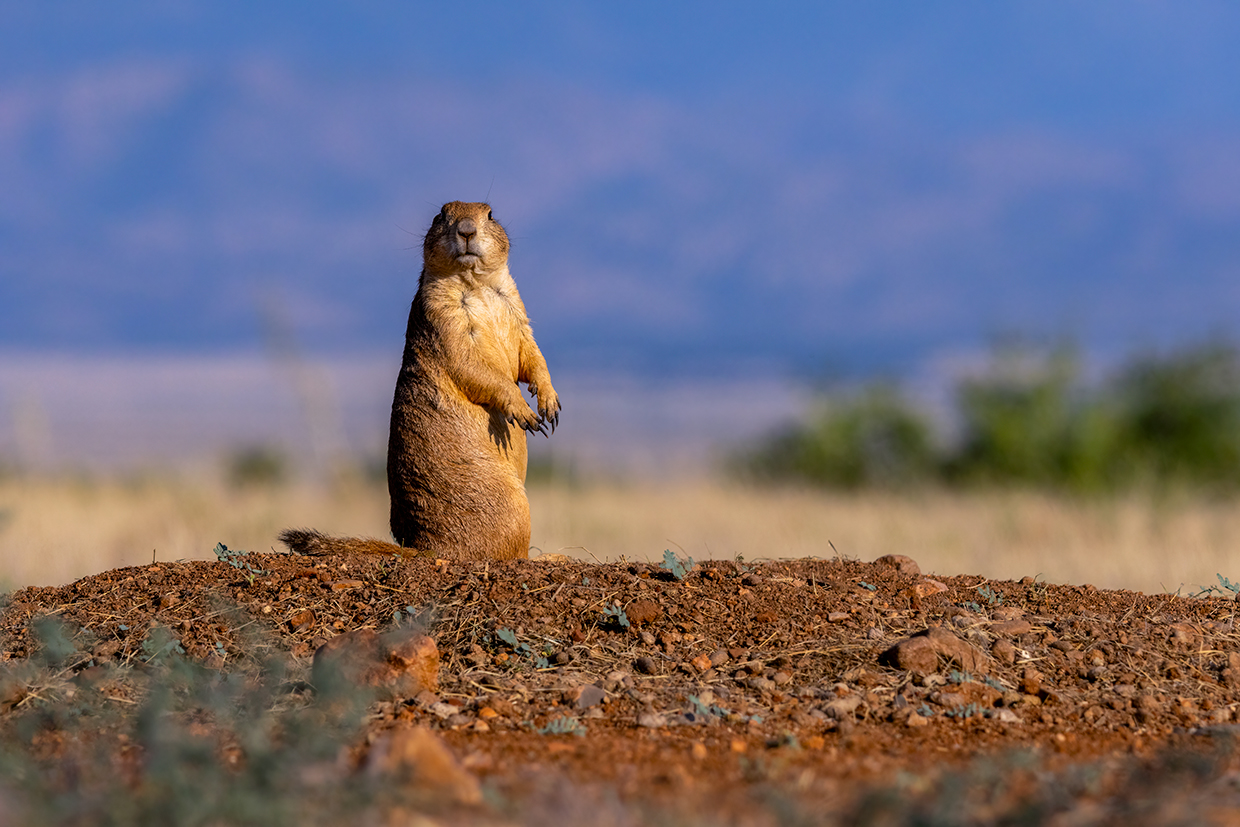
464,238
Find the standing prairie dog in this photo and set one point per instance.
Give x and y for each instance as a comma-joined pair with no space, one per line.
456,451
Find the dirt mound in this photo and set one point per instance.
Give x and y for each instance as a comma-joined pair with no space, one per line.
835,686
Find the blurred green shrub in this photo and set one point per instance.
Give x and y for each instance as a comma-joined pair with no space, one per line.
258,465
872,438
1030,419
1181,415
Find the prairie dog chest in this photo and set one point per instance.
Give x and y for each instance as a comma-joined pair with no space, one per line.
490,310
488,321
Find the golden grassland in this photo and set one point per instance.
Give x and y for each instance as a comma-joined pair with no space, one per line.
55,530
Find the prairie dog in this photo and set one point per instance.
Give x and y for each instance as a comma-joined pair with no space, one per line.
456,450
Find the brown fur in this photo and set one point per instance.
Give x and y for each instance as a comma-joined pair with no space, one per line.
456,450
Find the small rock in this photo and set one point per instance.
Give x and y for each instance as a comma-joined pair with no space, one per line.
719,657
1011,628
302,620
914,720
701,663
651,720
928,587
1031,681
645,665
1004,652
647,638
1005,716
399,664
643,611
1004,613
418,757
781,678
838,617
106,649
347,585
901,563
922,651
760,684
842,708
590,695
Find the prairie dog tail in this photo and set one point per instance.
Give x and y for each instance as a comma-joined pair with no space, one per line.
310,542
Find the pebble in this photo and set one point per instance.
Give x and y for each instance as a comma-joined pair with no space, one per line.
589,696
643,611
1011,628
922,652
901,563
645,665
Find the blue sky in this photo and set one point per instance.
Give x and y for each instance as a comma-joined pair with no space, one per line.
688,186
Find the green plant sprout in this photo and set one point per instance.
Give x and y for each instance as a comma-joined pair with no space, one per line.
679,568
235,558
617,614
564,725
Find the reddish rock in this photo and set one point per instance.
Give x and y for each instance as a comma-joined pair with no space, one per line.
701,663
417,757
928,587
643,611
302,620
1011,628
899,562
1003,651
923,652
401,664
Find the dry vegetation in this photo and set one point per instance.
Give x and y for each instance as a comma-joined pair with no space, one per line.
55,530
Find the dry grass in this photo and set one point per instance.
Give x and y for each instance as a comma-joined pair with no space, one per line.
55,531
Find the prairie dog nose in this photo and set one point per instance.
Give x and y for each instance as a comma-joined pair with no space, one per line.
467,228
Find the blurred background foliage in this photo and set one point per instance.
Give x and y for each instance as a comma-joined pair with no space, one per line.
1029,418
